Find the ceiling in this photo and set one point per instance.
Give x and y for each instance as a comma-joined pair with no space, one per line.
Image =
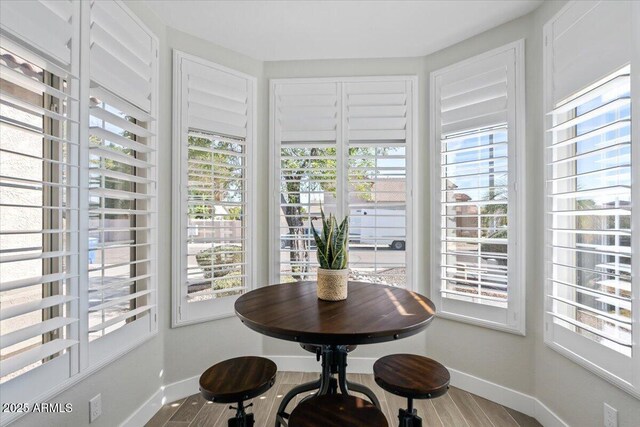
288,30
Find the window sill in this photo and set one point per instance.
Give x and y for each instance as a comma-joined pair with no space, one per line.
516,330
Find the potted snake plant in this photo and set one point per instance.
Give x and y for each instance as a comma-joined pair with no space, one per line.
333,257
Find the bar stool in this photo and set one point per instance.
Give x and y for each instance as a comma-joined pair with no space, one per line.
413,377
237,380
336,410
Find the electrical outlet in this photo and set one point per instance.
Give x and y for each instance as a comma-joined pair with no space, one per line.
610,416
95,408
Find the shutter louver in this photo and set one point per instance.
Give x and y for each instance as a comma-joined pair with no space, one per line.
121,170
307,112
45,24
476,101
308,181
216,100
216,211
39,192
590,203
122,54
377,195
377,111
585,45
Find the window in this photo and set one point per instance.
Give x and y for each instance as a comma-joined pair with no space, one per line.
477,135
39,196
343,145
77,192
590,281
122,206
213,210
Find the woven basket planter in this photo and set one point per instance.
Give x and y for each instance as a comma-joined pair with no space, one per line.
332,284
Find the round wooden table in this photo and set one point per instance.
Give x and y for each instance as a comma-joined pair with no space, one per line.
371,314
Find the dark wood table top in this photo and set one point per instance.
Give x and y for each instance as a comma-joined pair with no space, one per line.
371,313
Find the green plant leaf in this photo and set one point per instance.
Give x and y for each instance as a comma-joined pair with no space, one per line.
340,246
329,240
321,248
325,226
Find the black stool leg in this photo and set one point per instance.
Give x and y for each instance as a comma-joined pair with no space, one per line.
409,417
242,419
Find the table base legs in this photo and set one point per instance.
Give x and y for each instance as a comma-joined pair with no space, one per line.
334,361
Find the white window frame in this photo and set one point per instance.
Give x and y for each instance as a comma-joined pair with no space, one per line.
618,369
413,227
183,312
135,334
512,318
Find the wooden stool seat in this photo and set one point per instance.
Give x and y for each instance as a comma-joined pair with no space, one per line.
411,376
336,410
238,379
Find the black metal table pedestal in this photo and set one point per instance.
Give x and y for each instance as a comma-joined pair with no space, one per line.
334,361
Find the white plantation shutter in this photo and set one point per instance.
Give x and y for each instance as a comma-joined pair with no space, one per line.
46,25
590,290
39,196
308,181
213,210
122,177
589,40
377,111
216,100
476,137
77,183
343,144
123,54
379,143
307,112
306,133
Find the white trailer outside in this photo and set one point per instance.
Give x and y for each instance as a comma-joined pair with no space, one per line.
379,227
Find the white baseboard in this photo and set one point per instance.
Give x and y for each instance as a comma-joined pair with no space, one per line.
145,412
505,396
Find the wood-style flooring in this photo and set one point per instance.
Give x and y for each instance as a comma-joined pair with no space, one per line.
457,408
